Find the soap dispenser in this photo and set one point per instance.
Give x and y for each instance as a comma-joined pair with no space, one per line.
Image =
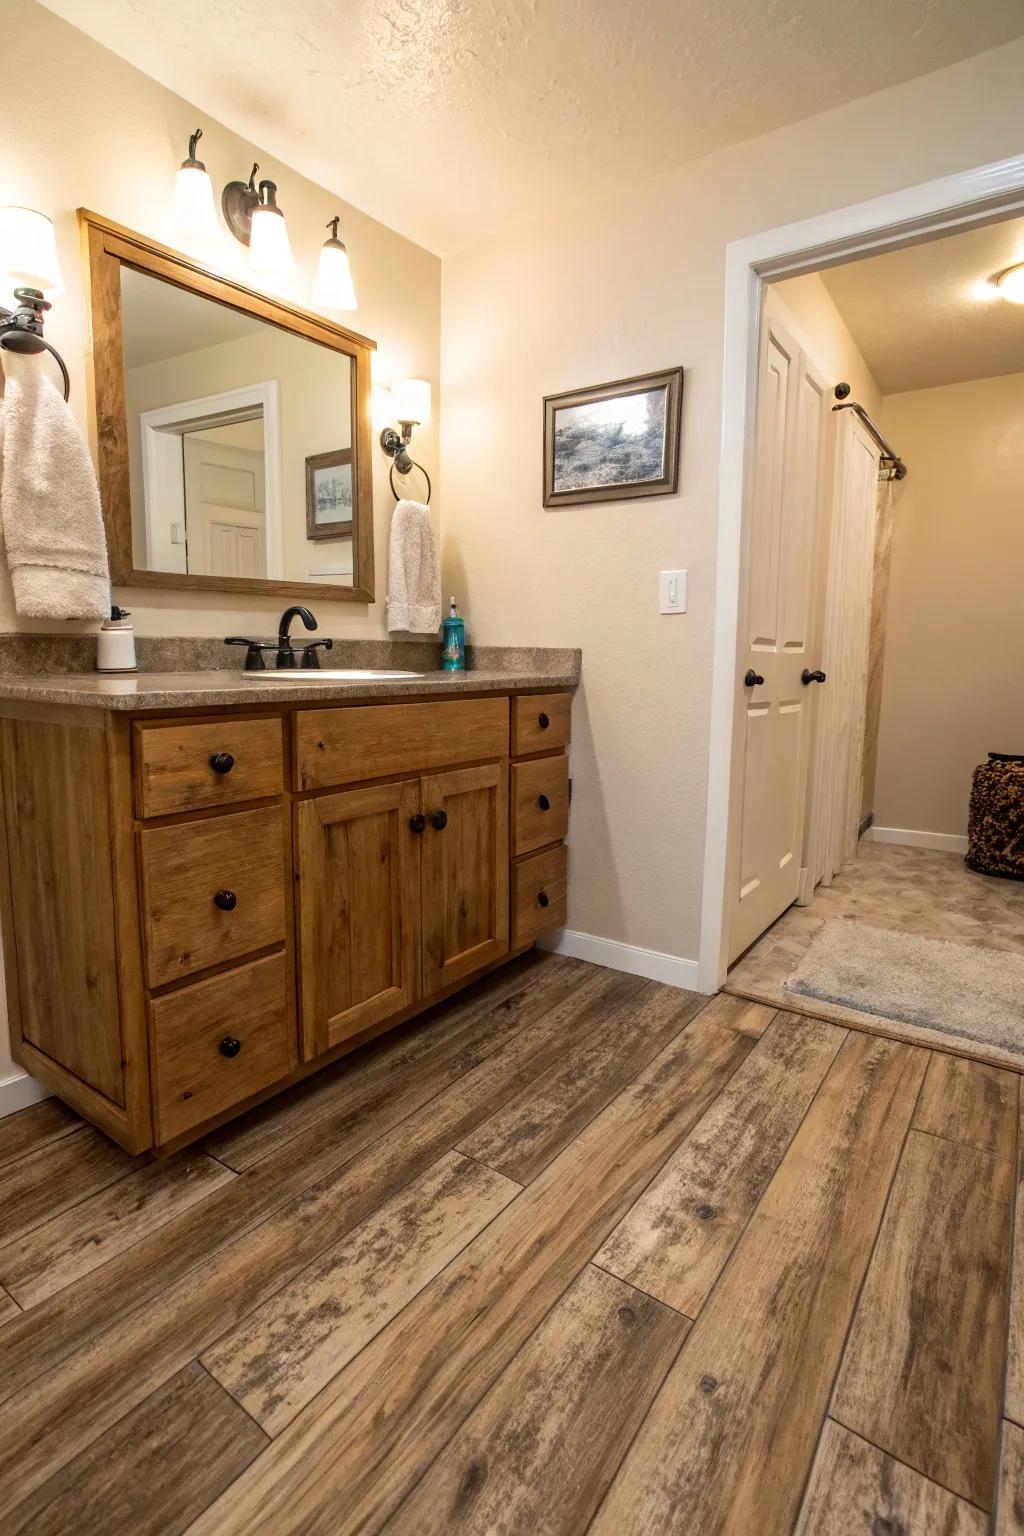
453,644
115,648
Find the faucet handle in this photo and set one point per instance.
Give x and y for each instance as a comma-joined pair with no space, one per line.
310,659
254,653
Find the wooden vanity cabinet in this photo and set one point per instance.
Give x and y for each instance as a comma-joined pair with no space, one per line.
197,910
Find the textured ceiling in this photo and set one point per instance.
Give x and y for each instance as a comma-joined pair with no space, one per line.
447,118
929,314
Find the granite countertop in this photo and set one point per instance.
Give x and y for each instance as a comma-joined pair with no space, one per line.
160,684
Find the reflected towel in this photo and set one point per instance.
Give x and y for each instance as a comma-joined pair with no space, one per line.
49,501
414,573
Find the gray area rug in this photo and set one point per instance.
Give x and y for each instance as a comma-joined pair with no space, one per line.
958,989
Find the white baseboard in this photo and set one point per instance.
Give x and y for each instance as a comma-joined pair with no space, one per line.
651,963
942,842
19,1091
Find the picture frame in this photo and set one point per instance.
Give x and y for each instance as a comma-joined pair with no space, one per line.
613,442
328,493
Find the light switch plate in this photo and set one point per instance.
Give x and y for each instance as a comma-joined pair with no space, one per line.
672,592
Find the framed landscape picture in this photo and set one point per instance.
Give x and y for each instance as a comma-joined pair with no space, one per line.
329,495
613,442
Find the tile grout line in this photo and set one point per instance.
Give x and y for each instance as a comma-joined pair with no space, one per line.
639,1288
935,1482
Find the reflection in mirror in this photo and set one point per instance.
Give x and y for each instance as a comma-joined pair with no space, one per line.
240,441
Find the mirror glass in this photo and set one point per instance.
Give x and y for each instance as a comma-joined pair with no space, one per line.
240,441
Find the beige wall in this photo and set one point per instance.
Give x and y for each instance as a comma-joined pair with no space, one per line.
953,690
633,285
84,129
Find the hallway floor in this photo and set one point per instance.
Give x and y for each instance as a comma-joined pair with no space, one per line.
573,1252
909,890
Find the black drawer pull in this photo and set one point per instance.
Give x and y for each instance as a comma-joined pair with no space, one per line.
226,900
542,899
543,721
544,802
229,1046
439,820
417,822
222,762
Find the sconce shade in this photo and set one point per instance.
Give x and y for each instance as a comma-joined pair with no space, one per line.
1011,284
193,214
28,250
410,401
270,252
333,288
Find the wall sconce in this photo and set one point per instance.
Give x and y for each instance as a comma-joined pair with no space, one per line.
193,214
333,288
28,258
410,407
254,218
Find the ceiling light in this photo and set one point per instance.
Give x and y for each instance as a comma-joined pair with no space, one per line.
333,289
28,250
1011,284
193,215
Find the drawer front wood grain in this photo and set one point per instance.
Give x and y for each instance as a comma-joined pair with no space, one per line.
541,722
539,886
344,746
197,1070
540,802
215,762
212,890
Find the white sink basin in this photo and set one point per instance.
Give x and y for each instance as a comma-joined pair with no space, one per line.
327,675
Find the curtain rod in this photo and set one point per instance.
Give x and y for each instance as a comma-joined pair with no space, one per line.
890,459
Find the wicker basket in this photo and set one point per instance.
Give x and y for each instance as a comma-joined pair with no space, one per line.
995,831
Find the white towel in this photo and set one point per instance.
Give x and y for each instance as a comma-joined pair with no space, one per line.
49,501
414,574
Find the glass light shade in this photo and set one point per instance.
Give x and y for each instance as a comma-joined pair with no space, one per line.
333,288
1011,284
410,400
269,250
28,250
193,214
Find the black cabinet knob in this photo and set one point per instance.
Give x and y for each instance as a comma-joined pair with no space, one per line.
544,802
439,820
752,679
542,899
807,676
417,822
543,721
226,900
222,762
229,1046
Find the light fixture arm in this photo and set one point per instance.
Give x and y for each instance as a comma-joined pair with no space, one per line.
239,202
21,329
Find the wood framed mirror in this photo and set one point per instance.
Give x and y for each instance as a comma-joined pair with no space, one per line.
232,429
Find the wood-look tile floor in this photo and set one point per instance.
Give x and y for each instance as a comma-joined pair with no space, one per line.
909,890
575,1252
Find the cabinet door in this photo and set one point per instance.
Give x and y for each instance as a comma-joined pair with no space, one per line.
358,862
464,872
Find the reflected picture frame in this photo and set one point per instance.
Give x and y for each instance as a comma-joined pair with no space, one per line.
613,442
324,488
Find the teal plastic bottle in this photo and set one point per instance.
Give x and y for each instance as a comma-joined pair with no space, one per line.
453,642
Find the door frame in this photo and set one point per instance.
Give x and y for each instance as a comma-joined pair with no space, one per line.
163,475
907,217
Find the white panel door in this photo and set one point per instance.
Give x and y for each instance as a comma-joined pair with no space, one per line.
225,509
772,740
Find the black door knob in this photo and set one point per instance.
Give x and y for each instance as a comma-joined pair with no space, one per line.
417,822
229,1046
807,676
752,679
226,900
439,820
543,721
544,802
542,898
222,762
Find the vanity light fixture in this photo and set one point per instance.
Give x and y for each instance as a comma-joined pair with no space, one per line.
254,218
193,213
333,288
410,407
28,261
1011,283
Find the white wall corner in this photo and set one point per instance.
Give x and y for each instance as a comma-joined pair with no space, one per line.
942,842
19,1091
671,969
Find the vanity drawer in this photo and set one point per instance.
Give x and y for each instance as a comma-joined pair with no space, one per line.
218,1041
212,890
344,746
539,886
540,722
540,802
174,764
